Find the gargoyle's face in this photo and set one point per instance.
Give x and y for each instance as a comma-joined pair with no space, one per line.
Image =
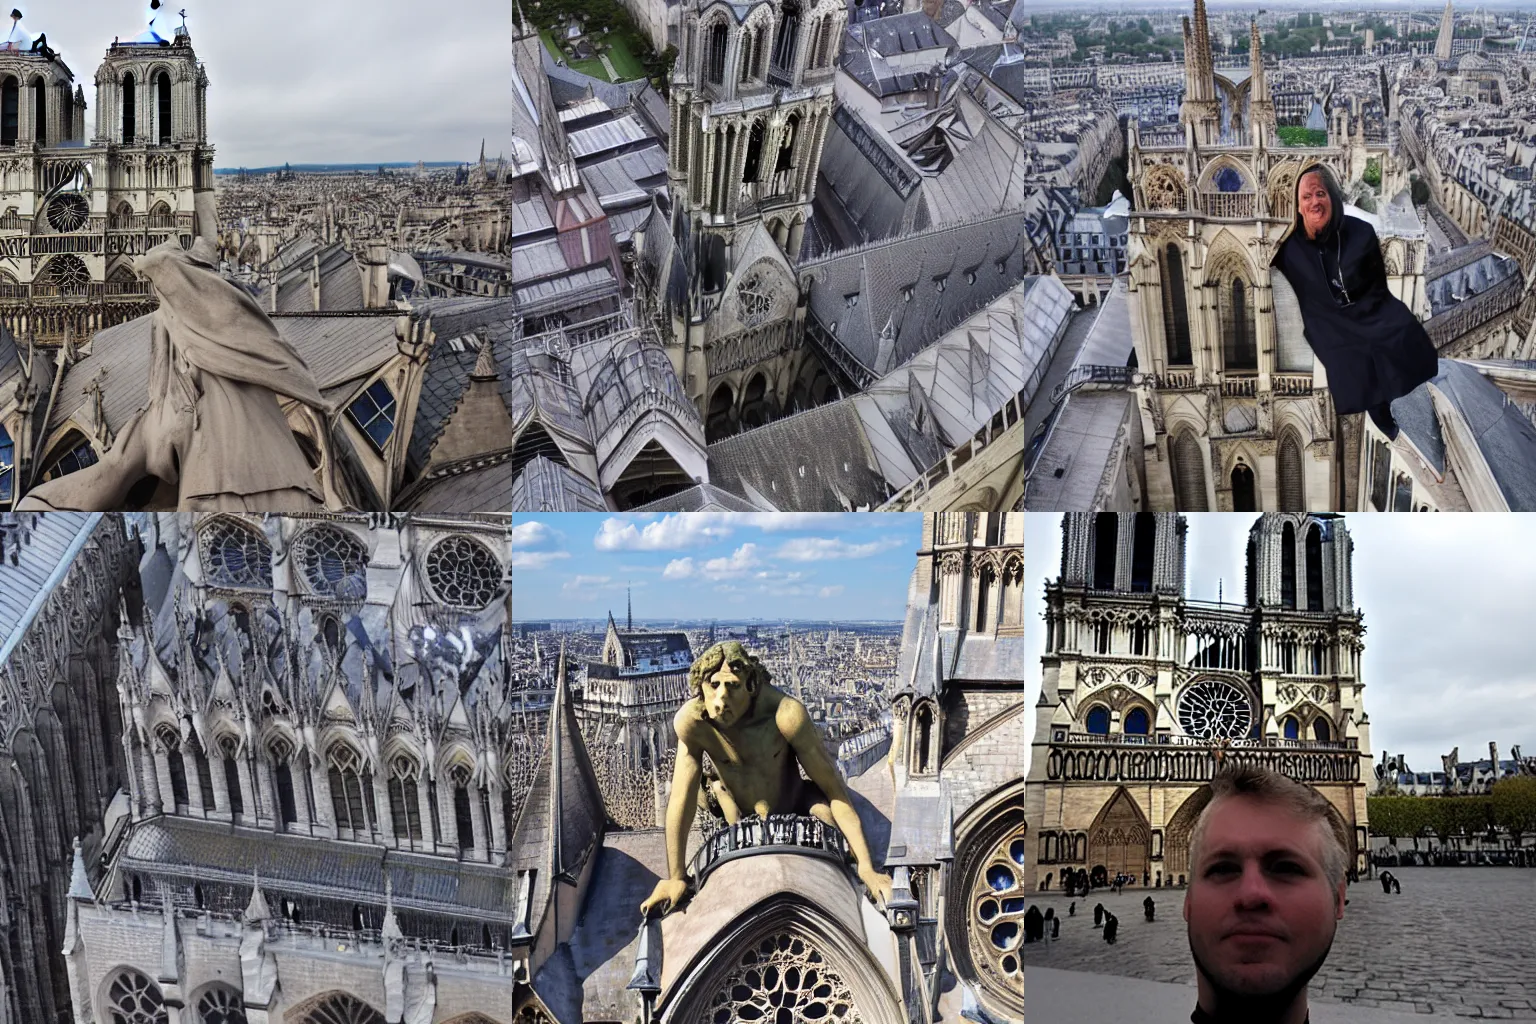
726,696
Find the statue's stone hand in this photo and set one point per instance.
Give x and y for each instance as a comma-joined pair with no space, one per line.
879,885
669,893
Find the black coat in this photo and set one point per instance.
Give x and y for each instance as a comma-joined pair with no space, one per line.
1374,349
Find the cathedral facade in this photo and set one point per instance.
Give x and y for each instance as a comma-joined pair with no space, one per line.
1234,412
1145,692
78,204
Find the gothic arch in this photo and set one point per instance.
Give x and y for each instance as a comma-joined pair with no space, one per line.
1242,477
1290,472
1120,837
1163,188
335,1007
1212,171
128,996
1282,189
1176,834
1187,467
717,38
785,931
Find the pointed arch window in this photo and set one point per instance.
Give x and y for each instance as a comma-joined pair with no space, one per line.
1321,730
1136,722
1143,549
1098,720
176,765
922,739
283,776
228,749
1239,347
789,31
404,801
40,111
1314,568
10,107
351,789
221,1005
1244,497
1292,490
715,53
163,107
1175,307
133,999
1292,728
462,818
130,111
1189,473
1106,543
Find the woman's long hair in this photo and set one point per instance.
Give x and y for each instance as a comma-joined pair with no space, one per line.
1335,196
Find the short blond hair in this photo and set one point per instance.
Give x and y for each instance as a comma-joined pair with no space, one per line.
1270,787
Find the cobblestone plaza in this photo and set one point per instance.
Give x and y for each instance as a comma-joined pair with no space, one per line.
1457,941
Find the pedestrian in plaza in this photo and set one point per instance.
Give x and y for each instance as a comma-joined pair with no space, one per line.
1266,892
1386,881
1072,909
1397,887
1098,915
1111,928
1033,928
1146,879
1149,907
1046,931
1055,928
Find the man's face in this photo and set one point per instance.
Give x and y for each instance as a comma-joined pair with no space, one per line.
1261,912
1316,204
726,696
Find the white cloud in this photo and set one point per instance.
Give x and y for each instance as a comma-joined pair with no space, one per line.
831,591
587,588
739,563
533,534
678,569
679,531
818,549
532,560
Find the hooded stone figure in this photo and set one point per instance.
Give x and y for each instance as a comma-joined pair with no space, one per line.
212,428
1371,344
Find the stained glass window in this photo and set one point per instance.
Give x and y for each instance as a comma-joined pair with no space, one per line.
221,1005
755,300
1214,708
463,572
997,907
7,464
236,556
134,999
342,1009
334,562
373,412
786,980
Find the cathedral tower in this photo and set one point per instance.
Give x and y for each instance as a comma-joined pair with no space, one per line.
1146,691
751,103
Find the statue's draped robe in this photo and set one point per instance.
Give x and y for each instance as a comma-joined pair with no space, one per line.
212,423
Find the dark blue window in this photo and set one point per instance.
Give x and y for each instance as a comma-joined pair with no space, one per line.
1098,721
7,464
374,413
79,456
1321,731
1292,729
1228,180
1136,722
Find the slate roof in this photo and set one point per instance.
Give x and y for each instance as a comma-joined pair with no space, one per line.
900,279
815,461
171,846
547,486
901,33
603,948
1504,435
341,282
697,499
29,558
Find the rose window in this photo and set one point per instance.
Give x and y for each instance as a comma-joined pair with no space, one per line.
234,556
782,980
463,572
1214,709
335,563
997,906
220,1006
68,212
755,301
68,273
134,999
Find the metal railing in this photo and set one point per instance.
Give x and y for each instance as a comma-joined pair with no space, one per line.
1092,373
777,833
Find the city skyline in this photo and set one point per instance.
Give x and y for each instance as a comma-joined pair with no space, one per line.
1483,579
849,567
329,90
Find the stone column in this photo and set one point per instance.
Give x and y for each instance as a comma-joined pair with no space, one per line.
249,805
424,808
477,825
300,797
266,782
149,778
498,828
447,816
220,787
163,778
189,755
386,820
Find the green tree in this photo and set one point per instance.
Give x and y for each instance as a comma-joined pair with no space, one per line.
1372,175
1145,26
1514,805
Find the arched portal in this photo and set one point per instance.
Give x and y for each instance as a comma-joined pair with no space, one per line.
720,421
1243,497
1176,834
1120,838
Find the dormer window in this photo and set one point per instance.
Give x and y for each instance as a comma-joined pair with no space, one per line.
851,301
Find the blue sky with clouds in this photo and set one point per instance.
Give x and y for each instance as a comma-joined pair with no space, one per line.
843,566
1446,600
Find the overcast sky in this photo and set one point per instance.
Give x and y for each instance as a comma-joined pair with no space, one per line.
845,566
331,81
1447,601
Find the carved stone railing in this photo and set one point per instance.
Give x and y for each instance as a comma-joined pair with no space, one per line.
1291,383
1165,740
1179,763
1226,204
1240,387
777,833
1178,380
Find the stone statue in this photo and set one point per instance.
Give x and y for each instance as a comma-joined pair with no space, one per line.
212,429
747,726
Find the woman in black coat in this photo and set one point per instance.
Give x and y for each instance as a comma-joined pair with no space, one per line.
1371,344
